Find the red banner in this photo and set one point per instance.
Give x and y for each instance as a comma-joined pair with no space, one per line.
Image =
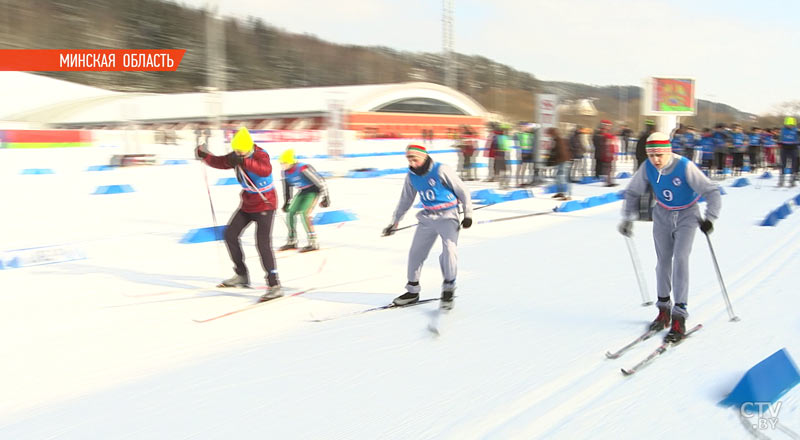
97,60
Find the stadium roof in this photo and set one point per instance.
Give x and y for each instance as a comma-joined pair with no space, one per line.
89,105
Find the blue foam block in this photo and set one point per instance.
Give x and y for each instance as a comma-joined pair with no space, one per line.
395,171
325,174
770,220
100,168
766,175
610,197
589,179
624,175
572,205
113,189
36,171
550,189
726,171
797,200
339,216
175,162
746,168
364,174
227,181
783,211
519,194
591,202
767,381
202,235
740,182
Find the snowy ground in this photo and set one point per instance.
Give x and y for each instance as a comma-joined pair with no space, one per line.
107,347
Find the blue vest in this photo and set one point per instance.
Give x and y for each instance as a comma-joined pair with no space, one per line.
719,140
432,192
295,176
672,191
755,139
688,140
788,135
768,140
707,145
262,184
677,143
737,139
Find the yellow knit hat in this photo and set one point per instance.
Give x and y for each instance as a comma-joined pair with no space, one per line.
287,157
789,121
242,141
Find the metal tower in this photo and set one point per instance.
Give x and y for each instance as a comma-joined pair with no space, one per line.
447,44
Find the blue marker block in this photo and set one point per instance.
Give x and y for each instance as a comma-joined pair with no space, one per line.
175,162
783,211
740,182
227,181
767,381
771,219
203,235
624,175
572,205
328,217
610,197
113,189
726,171
591,202
518,194
325,174
797,199
766,175
589,179
746,168
100,168
36,171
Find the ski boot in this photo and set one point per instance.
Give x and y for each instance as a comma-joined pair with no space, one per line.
406,298
312,245
662,320
291,244
236,281
446,301
678,330
272,293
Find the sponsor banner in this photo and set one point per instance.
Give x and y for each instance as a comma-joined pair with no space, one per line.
278,135
39,255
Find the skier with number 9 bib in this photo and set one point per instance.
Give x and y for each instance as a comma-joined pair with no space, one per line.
440,190
678,185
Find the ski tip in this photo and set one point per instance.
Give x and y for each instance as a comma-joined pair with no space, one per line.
626,372
735,319
611,355
648,303
433,330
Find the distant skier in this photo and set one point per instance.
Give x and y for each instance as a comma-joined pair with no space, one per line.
440,190
678,185
312,187
254,173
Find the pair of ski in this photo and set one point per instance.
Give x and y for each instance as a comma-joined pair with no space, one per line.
654,354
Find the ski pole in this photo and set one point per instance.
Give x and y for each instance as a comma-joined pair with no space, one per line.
637,268
728,305
208,188
415,224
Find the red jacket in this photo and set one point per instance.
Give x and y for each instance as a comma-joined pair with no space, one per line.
257,163
610,153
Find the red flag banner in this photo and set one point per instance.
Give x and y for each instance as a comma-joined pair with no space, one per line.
98,60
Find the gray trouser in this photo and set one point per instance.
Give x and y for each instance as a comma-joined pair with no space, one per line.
431,226
673,233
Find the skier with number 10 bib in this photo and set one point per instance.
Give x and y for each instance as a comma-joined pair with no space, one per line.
441,191
678,185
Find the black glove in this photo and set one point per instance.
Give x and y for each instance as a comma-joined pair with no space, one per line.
389,230
626,228
285,207
707,226
235,160
325,202
466,223
200,152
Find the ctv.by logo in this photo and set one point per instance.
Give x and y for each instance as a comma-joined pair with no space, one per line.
766,414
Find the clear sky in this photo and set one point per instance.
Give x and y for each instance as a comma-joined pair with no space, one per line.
740,52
